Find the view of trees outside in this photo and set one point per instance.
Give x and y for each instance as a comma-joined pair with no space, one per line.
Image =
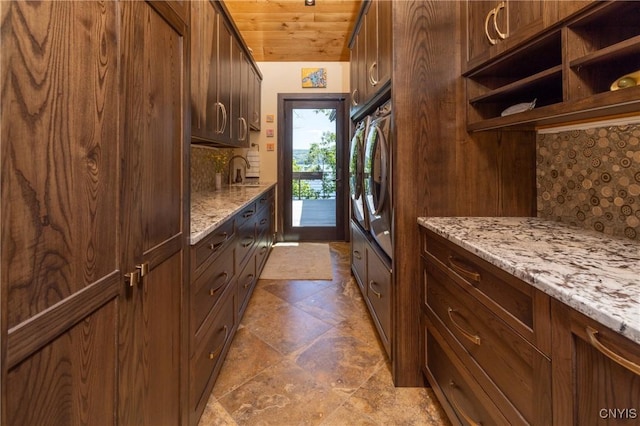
314,158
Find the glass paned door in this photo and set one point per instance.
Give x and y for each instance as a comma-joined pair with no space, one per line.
313,165
314,206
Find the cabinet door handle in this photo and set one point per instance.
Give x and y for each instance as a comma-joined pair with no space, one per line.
456,407
378,295
497,10
471,275
224,118
357,255
218,244
474,338
619,359
219,123
372,80
212,291
248,281
354,97
214,354
492,41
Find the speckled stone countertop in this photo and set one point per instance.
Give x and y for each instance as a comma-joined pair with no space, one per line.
595,274
210,209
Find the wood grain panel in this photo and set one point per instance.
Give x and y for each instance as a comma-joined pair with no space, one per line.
424,153
72,380
59,151
282,30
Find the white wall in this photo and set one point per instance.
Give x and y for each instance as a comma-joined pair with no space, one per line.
285,77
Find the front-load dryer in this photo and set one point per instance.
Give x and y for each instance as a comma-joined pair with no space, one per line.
377,178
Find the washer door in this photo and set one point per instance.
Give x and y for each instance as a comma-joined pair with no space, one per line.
356,173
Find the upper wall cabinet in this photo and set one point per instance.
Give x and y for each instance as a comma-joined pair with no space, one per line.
562,74
493,26
221,67
255,89
371,57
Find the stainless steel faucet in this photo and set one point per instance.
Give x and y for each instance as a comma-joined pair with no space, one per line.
246,162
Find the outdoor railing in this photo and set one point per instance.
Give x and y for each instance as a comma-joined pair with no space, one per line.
312,192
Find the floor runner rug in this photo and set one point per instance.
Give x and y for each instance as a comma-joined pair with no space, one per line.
298,261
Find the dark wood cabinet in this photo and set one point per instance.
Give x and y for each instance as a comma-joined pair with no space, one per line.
493,325
371,52
568,69
495,26
223,93
88,337
225,266
372,271
596,372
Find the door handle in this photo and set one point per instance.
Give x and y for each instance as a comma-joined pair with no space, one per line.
133,278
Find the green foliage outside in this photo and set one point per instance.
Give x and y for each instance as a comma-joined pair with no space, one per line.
321,157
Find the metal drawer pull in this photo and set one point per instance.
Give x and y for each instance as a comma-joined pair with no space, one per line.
629,365
247,242
455,265
371,283
216,245
357,255
263,221
214,354
472,337
212,291
248,213
456,407
249,281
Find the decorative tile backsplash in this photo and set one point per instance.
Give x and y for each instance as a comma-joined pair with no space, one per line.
591,178
205,162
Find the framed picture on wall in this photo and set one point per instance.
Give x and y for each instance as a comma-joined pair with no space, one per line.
314,77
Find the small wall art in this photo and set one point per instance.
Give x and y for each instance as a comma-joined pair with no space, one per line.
314,77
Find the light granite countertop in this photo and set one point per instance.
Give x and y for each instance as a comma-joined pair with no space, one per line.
593,273
209,209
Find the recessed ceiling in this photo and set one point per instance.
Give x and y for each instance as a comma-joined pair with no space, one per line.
287,30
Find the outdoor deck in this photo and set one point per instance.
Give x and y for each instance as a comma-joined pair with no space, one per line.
314,212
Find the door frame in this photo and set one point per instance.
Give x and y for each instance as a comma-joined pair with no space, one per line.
342,159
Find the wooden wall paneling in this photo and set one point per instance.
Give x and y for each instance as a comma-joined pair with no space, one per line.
155,220
497,174
59,155
423,157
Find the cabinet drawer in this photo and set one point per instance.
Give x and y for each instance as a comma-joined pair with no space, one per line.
208,288
246,280
379,296
245,241
262,252
263,221
493,287
212,344
246,214
512,366
464,396
213,243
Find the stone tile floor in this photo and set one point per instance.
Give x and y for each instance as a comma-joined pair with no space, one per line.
307,353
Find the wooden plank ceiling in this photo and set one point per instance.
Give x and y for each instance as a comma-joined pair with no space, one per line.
287,30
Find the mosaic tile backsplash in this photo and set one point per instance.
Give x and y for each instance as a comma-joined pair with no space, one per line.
591,178
205,162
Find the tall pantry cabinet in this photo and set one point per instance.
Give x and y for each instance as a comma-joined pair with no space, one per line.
94,212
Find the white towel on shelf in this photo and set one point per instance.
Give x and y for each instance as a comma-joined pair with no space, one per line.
253,156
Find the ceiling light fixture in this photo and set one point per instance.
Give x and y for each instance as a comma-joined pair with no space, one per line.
309,2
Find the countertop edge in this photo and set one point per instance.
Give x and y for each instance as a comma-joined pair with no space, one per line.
590,308
196,237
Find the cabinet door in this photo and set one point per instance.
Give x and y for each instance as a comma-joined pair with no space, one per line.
255,90
59,212
493,27
151,344
354,74
596,372
385,45
225,74
243,122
